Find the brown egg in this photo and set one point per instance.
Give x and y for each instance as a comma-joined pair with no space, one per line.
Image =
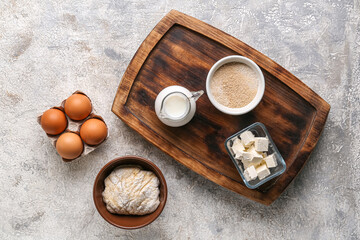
78,107
69,145
53,121
93,131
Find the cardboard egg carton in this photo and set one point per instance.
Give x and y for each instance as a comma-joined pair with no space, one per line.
74,126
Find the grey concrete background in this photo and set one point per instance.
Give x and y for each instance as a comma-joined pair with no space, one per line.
48,49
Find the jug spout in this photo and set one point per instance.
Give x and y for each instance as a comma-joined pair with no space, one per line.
163,115
196,95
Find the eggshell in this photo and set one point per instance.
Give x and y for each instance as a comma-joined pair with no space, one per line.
93,131
69,145
74,126
53,121
78,107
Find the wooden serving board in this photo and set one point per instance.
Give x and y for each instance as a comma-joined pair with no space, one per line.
180,50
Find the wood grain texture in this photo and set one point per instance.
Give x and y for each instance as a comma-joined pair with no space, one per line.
180,51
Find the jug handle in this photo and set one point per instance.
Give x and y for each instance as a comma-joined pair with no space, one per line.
196,95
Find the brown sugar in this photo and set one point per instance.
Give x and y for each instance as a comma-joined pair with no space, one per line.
234,85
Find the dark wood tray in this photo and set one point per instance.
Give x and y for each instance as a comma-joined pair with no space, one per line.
180,50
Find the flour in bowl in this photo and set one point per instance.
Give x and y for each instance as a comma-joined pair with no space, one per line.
234,85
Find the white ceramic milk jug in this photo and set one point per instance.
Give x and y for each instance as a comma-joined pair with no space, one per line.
175,106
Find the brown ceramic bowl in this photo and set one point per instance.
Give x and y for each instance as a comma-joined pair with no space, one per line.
128,221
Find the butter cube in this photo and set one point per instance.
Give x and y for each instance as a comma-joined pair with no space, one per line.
247,156
237,146
239,155
262,171
250,173
253,154
246,176
249,164
247,138
261,144
271,161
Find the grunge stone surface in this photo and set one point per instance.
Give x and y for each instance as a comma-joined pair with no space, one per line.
49,49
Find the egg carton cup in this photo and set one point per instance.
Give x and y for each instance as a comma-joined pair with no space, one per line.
74,127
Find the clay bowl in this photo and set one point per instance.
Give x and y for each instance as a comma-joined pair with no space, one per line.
128,221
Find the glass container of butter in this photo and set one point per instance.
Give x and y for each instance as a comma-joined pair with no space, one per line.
255,155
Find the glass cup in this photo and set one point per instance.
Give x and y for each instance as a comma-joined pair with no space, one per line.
259,130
